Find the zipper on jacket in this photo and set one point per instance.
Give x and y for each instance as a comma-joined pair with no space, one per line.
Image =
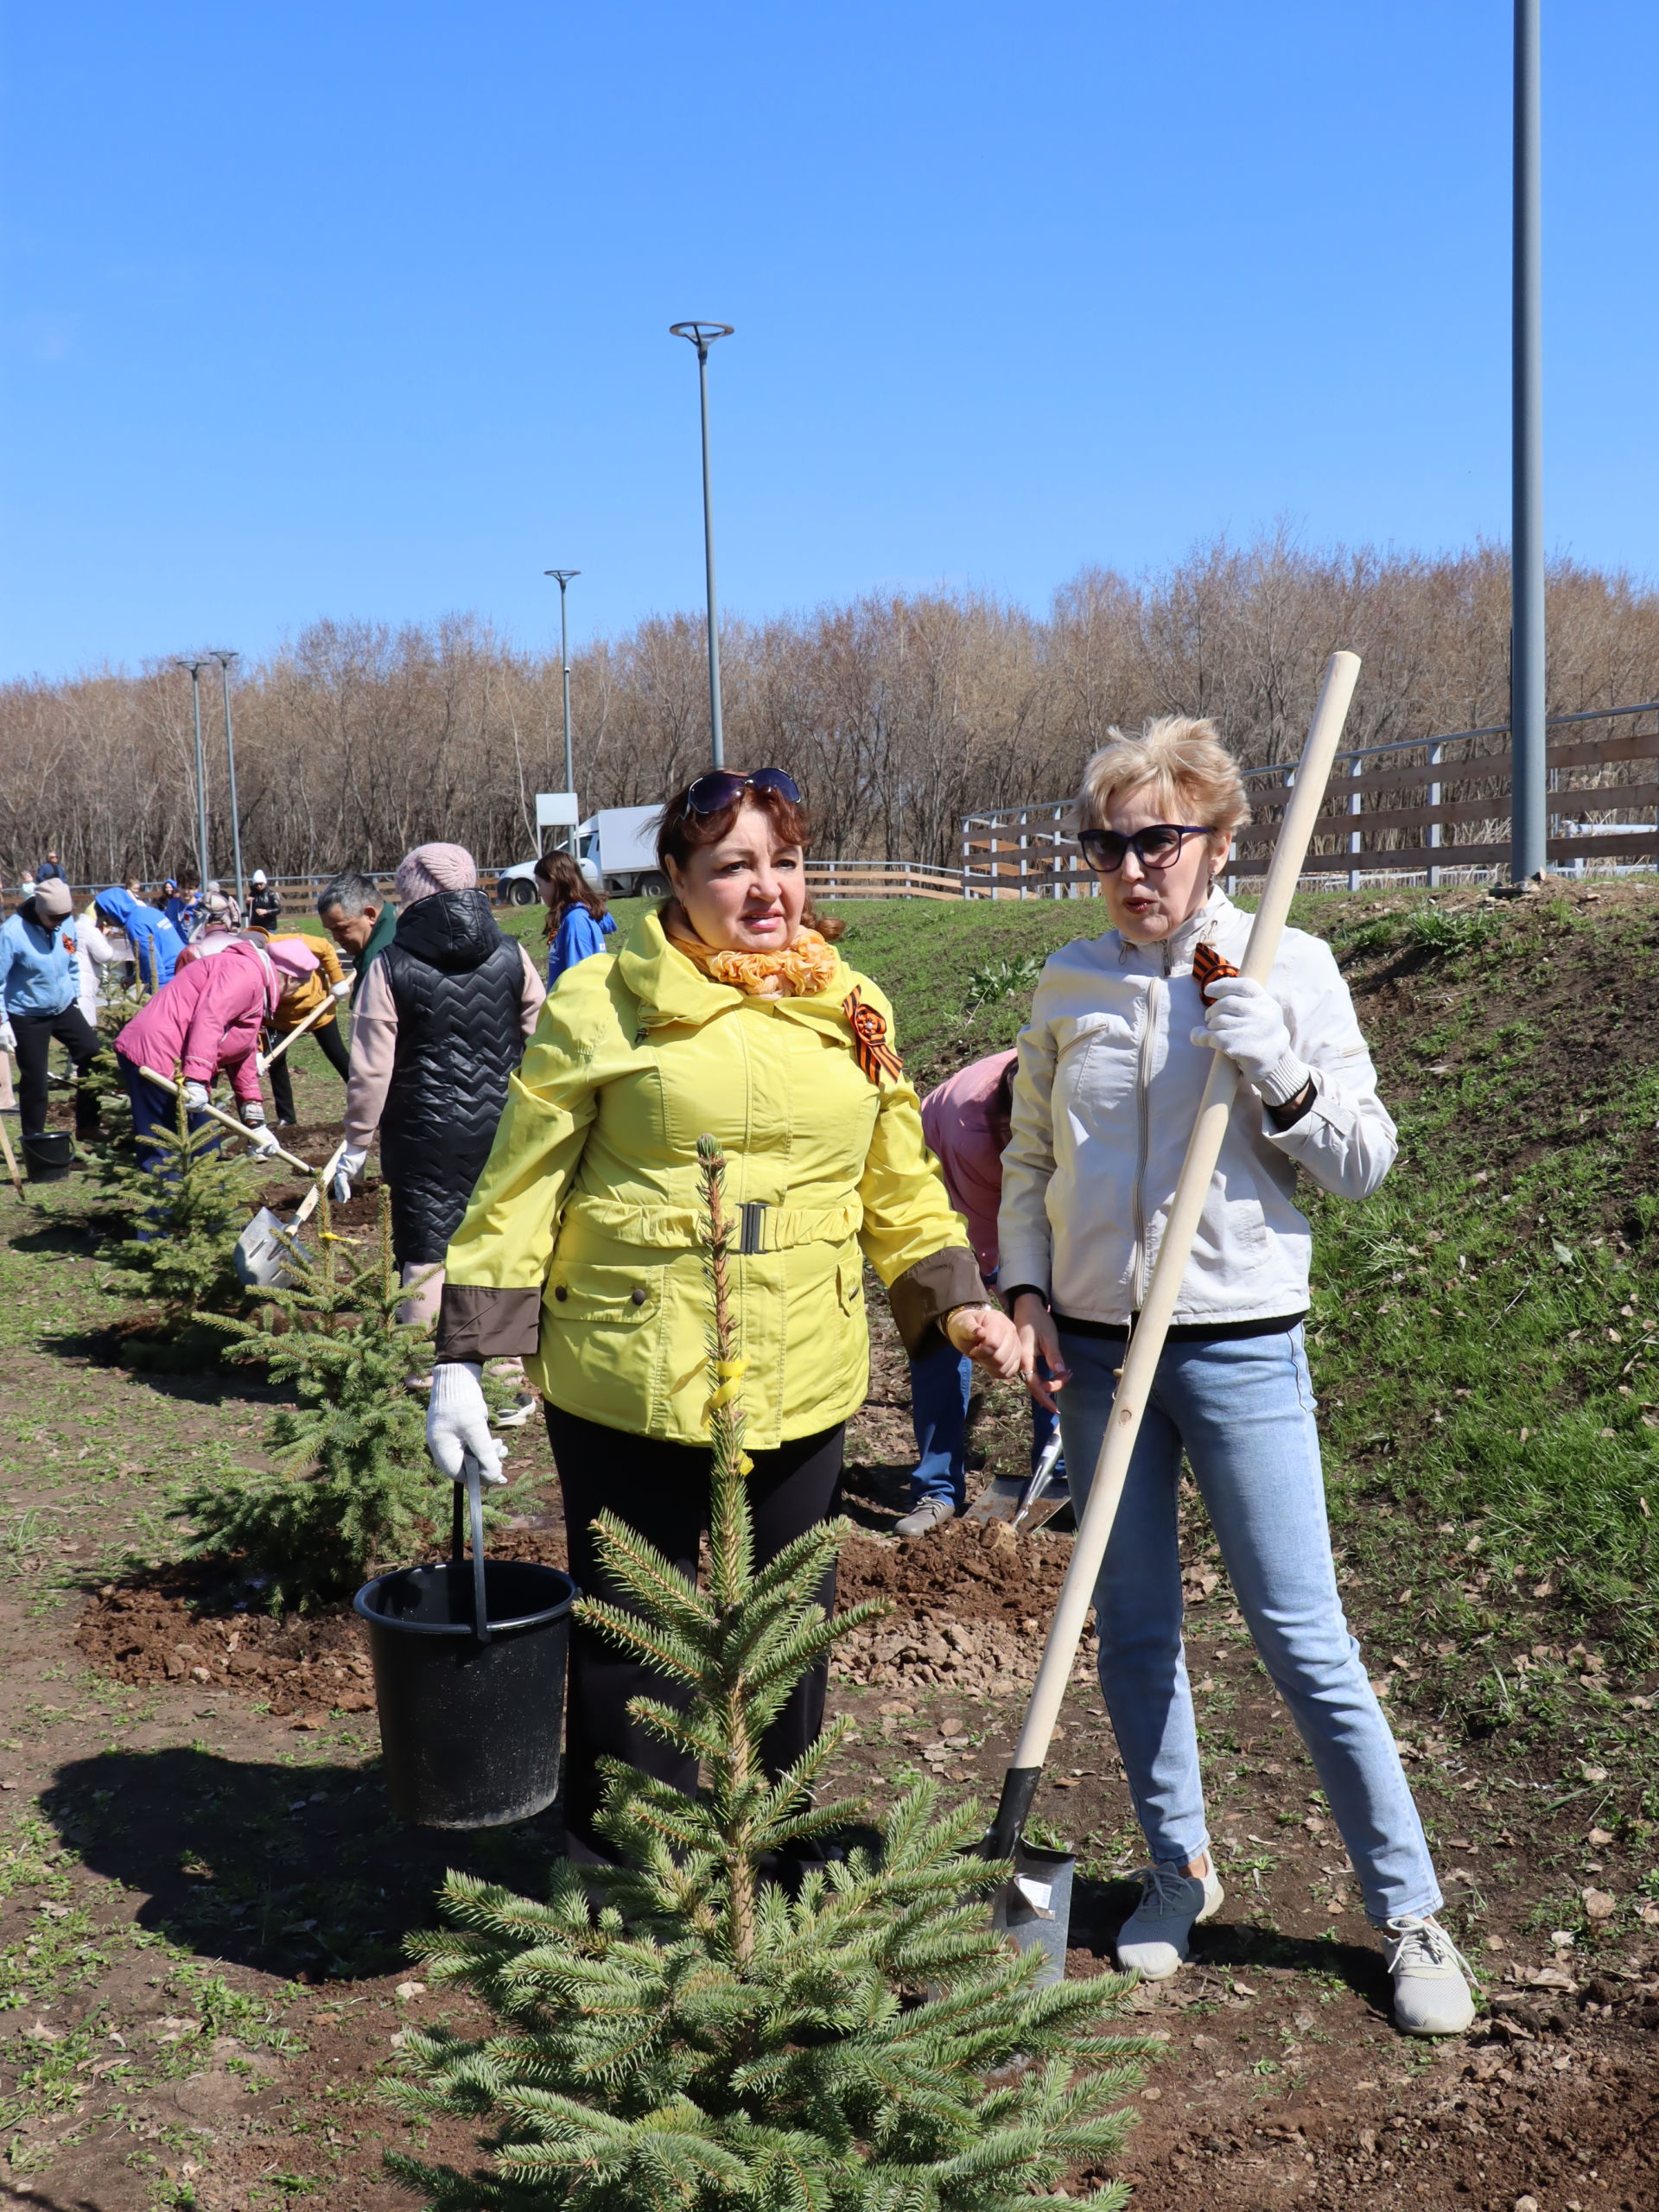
1143,1137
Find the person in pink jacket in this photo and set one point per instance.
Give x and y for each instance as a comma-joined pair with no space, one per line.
205,1023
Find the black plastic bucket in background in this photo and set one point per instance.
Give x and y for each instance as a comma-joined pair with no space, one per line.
470,1731
47,1158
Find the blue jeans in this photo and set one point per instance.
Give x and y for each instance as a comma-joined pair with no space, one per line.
153,1108
1243,1412
941,1384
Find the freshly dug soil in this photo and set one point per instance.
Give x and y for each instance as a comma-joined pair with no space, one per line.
306,1668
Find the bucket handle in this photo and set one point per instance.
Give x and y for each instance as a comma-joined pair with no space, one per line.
458,1546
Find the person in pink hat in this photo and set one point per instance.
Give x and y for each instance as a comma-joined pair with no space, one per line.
206,1023
440,1024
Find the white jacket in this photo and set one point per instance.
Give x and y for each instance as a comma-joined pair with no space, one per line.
1104,1100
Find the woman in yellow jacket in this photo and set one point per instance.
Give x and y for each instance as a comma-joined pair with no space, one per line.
579,1252
327,982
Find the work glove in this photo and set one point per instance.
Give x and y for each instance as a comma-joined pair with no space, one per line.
1245,1023
252,1113
458,1423
346,1169
342,990
261,1140
196,1097
7,1038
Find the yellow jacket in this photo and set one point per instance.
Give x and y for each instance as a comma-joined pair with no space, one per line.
579,1250
292,1010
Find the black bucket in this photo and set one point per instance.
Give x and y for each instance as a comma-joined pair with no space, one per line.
48,1157
469,1660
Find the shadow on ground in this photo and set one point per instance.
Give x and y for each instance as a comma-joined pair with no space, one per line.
299,1871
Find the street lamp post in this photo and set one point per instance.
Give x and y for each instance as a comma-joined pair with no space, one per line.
561,578
1529,775
703,336
196,668
225,660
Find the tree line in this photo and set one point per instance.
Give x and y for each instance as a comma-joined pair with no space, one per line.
897,712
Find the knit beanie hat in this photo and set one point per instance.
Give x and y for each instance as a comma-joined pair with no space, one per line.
52,900
291,956
431,869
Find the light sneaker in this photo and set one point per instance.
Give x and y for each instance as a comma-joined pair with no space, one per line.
1152,1941
922,1519
1431,1995
524,1408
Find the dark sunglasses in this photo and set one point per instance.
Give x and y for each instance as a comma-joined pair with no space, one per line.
721,787
1157,846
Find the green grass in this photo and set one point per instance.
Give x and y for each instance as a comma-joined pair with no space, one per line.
1484,1332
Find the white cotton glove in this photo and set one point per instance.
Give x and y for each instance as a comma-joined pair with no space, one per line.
261,1140
347,1170
342,990
252,1113
196,1096
458,1423
7,1038
1245,1023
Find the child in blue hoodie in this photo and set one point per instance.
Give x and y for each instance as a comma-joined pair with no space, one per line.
39,987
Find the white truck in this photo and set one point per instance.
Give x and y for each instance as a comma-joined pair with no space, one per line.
616,850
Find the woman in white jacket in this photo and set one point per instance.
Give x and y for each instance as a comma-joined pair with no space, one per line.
1110,1071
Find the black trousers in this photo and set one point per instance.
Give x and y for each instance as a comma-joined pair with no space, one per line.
35,1034
282,1082
662,1489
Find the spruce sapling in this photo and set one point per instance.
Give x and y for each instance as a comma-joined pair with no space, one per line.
186,1215
360,1487
686,2031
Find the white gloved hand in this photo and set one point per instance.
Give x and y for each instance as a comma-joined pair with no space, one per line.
347,1168
196,1096
252,1113
261,1140
458,1423
1246,1023
7,1038
342,990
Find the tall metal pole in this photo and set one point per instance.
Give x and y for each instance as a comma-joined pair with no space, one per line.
1528,778
225,660
561,578
703,336
196,668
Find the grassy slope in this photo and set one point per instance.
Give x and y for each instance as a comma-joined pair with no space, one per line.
1482,1329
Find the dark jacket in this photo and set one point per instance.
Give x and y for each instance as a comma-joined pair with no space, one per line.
458,984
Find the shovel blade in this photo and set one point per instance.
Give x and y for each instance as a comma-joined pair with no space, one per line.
1033,1909
999,1500
259,1258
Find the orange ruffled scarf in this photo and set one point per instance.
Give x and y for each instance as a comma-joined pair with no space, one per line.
800,971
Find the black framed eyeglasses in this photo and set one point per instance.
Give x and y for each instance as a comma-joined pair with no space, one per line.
1157,846
715,792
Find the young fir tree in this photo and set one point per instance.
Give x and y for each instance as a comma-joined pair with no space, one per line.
359,1487
185,1217
685,2031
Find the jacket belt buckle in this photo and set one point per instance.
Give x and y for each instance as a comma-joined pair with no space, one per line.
753,1226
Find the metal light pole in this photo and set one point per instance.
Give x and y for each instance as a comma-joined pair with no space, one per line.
225,660
1528,778
703,336
561,578
196,668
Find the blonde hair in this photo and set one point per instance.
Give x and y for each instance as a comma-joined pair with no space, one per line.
1185,761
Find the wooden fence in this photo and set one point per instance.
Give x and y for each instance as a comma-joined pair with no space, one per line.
1429,810
880,880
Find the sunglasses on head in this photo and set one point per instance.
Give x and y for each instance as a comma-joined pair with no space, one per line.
715,792
1159,845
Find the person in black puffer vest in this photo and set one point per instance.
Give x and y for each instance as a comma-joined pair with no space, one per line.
441,1015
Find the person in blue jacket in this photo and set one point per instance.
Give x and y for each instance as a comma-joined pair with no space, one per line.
577,923
155,944
39,993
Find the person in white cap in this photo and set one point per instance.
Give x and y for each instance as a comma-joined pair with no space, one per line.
40,990
265,902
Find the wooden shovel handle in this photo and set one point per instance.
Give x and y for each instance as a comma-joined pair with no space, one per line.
213,1114
1152,1325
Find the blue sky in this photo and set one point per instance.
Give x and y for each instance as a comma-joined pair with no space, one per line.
362,309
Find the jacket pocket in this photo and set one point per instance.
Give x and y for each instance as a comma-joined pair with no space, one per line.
606,1297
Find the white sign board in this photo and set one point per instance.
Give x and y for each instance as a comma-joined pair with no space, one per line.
556,810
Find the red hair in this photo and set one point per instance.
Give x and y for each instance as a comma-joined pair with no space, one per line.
680,831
